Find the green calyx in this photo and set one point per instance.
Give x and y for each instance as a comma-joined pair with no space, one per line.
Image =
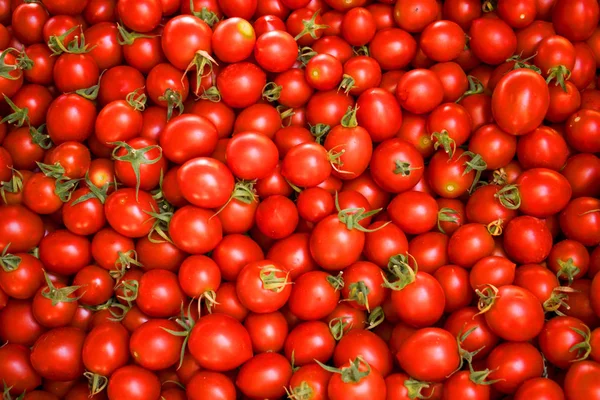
135,157
311,27
272,280
443,139
271,92
174,101
351,217
447,214
338,327
400,271
75,46
204,14
475,87
56,295
18,117
351,373
9,262
509,196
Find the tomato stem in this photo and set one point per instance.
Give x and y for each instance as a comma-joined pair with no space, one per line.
18,117
337,327
204,14
444,140
311,27
376,317
211,94
14,185
447,214
415,387
352,373
61,295
305,54
9,262
271,92
174,100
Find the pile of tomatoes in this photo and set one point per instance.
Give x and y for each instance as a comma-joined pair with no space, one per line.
303,199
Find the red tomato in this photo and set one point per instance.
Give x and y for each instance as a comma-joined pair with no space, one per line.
135,383
512,363
527,240
265,375
420,91
520,101
64,346
424,346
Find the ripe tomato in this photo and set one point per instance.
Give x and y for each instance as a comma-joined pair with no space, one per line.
17,372
127,212
306,165
142,16
265,375
251,155
426,296
543,192
543,387
420,91
152,345
527,240
233,40
159,294
396,166
512,363
520,101
492,40
135,383
62,345
241,84
366,344
582,130
105,348
581,21
424,346
579,221
25,280
413,212
65,253
205,182
220,343
365,379
263,286
80,114
514,313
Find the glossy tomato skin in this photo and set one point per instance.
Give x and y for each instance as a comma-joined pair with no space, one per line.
494,41
135,383
159,294
23,282
521,308
540,387
366,344
423,346
126,212
213,385
241,84
558,336
420,91
526,232
63,252
153,347
427,297
334,246
81,114
580,381
514,363
62,345
267,331
105,348
220,343
252,289
520,101
372,385
17,370
265,375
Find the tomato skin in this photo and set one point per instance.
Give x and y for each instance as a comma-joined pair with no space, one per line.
220,343
134,383
252,289
542,148
520,90
453,280
526,232
583,131
493,40
372,385
516,314
23,282
65,253
62,345
582,20
213,385
422,347
492,270
126,212
233,40
366,344
265,375
53,315
17,370
153,347
205,182
316,378
427,297
460,386
306,165
557,337
105,348
267,331
241,84
142,16
482,337
555,187
413,212
420,91
542,388
396,165
80,114
429,251
18,325
514,363
384,243
448,177
251,155
159,294
415,15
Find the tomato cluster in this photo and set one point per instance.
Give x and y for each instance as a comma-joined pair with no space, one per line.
303,199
